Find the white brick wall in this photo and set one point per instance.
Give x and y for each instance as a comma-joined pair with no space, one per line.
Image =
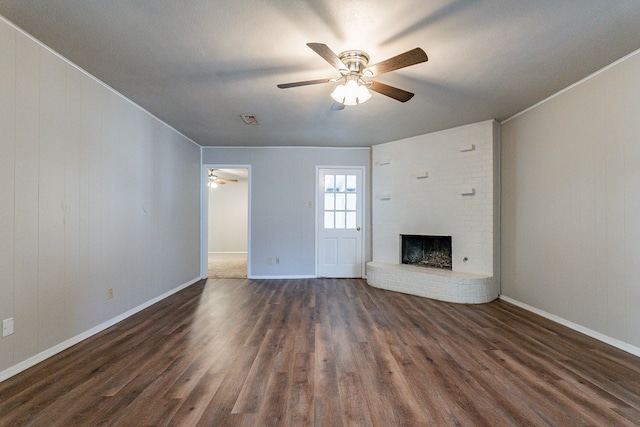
435,205
459,198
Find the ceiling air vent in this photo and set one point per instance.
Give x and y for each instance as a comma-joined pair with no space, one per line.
249,119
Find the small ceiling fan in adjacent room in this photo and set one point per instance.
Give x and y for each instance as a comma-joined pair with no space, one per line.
355,74
214,180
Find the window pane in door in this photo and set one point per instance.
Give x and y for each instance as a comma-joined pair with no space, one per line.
329,183
351,220
340,220
340,183
340,202
351,202
328,220
351,183
329,203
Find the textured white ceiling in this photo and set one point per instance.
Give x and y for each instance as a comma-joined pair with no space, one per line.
199,64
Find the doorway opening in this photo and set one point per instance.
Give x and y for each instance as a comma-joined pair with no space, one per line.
227,231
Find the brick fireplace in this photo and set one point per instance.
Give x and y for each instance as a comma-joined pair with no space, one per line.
443,185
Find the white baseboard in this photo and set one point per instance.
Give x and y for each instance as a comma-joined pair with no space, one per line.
294,276
593,334
34,360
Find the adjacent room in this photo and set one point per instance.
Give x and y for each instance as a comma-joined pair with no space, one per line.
228,222
325,213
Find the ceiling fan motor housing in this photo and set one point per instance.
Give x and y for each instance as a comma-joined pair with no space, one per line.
355,60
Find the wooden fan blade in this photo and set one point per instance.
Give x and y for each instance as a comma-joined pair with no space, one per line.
411,57
391,92
328,55
304,83
224,180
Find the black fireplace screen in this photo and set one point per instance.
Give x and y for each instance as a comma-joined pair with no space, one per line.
427,251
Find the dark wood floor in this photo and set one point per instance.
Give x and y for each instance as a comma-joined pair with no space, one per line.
327,353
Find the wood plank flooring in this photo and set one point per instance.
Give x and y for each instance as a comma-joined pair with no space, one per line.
321,352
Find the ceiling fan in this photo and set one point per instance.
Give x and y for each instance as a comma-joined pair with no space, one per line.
214,180
355,72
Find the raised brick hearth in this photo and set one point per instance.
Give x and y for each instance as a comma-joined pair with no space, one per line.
435,283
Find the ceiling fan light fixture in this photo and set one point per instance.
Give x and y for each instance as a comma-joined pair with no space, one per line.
212,178
351,93
363,94
339,93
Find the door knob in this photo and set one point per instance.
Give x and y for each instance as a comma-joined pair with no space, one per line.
358,228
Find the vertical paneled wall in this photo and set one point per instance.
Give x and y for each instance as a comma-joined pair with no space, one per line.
95,193
571,204
7,183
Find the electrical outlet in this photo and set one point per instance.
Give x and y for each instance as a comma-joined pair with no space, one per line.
277,260
7,327
110,293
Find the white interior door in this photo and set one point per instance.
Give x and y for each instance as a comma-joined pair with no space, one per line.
340,203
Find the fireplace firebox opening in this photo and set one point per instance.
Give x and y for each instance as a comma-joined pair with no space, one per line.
427,251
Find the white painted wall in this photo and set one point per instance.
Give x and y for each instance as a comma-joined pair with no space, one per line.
571,204
95,194
282,185
404,204
228,217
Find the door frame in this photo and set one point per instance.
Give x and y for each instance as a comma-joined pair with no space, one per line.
363,239
204,215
